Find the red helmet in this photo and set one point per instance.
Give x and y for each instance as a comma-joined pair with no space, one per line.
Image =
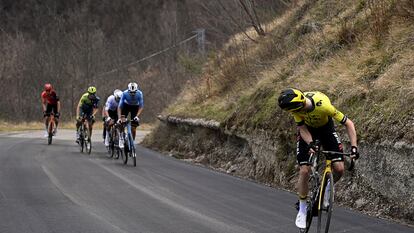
48,87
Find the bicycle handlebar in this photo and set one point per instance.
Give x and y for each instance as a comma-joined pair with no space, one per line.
352,165
335,153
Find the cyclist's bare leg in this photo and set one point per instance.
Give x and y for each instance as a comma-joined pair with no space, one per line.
338,168
303,185
47,118
90,126
56,122
134,132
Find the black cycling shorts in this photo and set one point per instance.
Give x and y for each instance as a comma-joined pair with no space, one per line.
126,109
113,115
327,136
51,108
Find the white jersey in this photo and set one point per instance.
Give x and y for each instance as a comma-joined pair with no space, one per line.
111,103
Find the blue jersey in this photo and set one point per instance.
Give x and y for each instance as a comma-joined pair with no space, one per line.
135,100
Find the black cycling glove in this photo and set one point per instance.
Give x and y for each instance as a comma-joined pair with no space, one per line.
313,145
354,152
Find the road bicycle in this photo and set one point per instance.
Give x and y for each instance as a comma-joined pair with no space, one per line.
50,128
112,134
129,147
321,177
85,133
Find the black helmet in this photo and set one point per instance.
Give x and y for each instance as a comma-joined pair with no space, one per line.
291,100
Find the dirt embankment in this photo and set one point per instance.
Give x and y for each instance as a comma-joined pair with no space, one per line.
381,185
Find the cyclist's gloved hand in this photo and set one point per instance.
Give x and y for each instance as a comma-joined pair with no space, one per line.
78,119
57,115
314,146
108,119
136,119
44,114
104,118
354,152
119,121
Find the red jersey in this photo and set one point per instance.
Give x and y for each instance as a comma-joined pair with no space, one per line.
50,98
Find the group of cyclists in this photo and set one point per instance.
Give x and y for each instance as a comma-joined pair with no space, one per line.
312,112
117,108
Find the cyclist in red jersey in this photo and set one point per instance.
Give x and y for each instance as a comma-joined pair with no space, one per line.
50,103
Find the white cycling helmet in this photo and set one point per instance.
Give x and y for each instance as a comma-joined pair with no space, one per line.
132,87
118,94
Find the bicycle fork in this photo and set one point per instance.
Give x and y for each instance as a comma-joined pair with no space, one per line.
327,170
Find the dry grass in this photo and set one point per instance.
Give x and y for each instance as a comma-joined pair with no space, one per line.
339,51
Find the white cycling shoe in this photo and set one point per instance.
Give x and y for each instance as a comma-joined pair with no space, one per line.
301,220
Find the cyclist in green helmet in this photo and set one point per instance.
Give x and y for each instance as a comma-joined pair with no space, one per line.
87,108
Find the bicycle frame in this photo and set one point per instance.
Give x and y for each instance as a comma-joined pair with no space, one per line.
129,133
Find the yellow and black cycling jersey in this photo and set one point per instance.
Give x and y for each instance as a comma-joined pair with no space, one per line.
88,103
322,110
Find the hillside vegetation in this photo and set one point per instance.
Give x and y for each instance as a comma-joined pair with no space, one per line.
359,53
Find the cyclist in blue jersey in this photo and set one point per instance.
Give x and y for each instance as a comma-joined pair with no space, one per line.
110,113
132,101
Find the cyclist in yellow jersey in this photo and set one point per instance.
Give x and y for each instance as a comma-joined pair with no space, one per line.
87,107
313,113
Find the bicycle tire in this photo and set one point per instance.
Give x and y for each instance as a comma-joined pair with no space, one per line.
134,156
50,132
125,155
81,144
119,152
111,149
311,207
324,215
90,145
49,138
87,140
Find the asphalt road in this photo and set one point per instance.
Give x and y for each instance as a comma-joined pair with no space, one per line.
57,189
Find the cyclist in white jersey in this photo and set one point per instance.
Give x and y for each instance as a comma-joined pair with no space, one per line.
110,113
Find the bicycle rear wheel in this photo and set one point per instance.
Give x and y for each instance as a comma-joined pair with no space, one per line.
325,212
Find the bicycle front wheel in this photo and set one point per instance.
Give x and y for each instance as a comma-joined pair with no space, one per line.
125,157
89,145
50,132
81,141
134,156
49,138
325,207
88,142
